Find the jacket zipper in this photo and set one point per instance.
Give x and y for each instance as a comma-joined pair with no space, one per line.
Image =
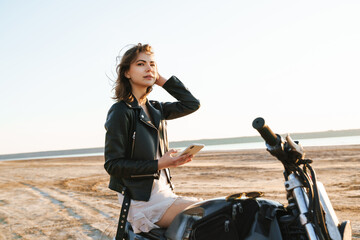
133,144
149,124
145,175
155,175
132,154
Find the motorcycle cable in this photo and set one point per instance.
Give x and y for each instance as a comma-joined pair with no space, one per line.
318,209
308,184
310,191
315,211
312,201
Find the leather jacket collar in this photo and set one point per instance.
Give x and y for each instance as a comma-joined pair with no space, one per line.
133,104
155,113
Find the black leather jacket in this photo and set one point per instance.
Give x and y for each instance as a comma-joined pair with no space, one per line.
132,140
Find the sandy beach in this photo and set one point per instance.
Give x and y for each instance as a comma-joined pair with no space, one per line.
68,198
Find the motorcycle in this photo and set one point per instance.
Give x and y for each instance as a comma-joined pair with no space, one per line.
246,216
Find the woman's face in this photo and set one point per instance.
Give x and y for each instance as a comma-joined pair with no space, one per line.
143,71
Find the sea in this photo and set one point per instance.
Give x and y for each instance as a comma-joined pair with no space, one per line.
329,141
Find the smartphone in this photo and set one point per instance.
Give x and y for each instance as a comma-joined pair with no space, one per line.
191,150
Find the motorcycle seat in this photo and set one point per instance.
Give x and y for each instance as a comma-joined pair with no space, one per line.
176,230
157,233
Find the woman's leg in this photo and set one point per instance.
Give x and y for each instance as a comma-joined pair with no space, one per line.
178,206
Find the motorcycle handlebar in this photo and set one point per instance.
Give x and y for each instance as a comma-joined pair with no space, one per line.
266,133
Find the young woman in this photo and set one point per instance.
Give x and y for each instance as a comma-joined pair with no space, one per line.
137,156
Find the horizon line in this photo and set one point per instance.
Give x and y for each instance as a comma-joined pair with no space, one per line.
208,141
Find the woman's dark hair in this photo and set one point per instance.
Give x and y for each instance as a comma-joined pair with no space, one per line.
123,90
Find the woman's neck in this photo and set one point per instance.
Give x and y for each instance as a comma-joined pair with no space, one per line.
139,93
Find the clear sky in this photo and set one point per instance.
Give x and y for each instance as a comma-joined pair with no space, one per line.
295,63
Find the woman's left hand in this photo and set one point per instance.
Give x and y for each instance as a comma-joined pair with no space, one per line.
167,160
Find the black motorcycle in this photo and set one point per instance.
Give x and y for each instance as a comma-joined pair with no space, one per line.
308,215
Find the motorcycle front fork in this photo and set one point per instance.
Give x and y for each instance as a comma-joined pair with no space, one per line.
294,186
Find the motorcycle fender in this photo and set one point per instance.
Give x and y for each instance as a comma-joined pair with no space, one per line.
331,219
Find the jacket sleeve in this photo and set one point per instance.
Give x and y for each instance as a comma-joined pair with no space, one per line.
117,146
186,103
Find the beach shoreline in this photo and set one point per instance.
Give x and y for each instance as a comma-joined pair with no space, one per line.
68,198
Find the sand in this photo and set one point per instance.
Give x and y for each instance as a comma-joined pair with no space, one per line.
68,198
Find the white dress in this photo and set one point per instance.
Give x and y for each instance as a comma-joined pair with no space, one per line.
143,215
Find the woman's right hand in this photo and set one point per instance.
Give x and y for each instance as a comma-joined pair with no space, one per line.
167,160
160,80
